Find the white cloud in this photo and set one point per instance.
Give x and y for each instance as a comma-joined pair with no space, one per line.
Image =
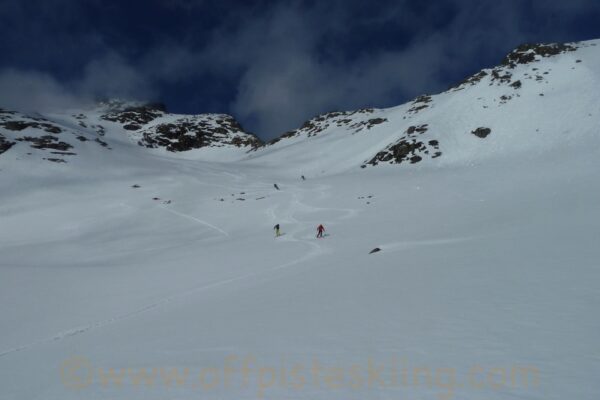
111,76
286,65
33,91
105,77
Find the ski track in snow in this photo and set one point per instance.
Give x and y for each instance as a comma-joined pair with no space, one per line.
294,206
164,301
198,220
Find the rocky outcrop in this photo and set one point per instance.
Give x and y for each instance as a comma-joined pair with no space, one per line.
528,53
45,142
133,117
522,55
17,125
194,132
352,121
5,144
408,148
420,103
470,81
39,133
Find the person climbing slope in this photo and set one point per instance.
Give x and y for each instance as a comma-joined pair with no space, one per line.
320,230
277,232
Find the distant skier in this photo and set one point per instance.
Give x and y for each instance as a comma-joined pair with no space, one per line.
303,178
277,232
320,230
275,186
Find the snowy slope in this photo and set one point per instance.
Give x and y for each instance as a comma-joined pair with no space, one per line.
128,260
530,104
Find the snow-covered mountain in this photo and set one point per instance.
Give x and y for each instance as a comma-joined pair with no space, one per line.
59,137
138,257
530,102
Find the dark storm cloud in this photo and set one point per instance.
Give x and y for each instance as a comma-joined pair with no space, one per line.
271,64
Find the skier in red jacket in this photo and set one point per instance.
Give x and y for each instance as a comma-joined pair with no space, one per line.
320,230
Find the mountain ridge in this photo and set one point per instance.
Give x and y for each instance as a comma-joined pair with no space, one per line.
430,129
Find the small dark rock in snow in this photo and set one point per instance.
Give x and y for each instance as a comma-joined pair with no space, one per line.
481,132
132,127
101,142
375,250
56,160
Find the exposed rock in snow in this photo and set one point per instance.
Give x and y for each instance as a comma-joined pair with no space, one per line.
408,148
39,133
528,53
353,121
481,132
194,132
420,103
45,142
5,144
133,116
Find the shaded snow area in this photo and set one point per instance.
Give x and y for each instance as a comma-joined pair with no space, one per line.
129,272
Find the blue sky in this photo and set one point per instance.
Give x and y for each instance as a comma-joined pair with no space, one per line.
271,64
